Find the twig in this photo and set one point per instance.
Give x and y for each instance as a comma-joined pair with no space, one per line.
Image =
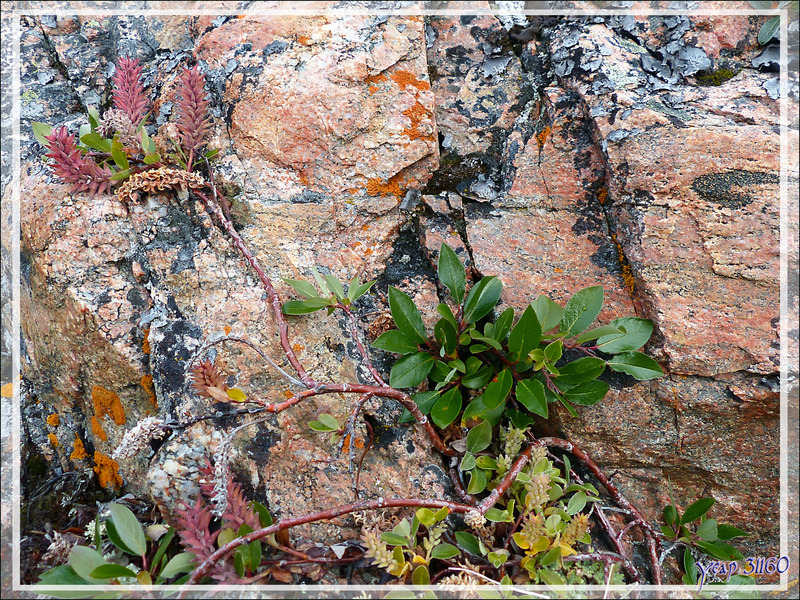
350,430
367,446
246,342
650,533
331,513
607,558
272,295
361,350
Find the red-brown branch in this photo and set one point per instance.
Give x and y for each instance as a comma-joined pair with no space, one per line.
332,513
649,532
272,295
361,350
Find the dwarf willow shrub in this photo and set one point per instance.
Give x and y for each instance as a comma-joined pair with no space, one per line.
483,366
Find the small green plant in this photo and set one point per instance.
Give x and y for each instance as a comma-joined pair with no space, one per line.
483,367
700,535
132,555
768,29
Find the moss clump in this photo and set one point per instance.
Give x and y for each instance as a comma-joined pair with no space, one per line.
715,78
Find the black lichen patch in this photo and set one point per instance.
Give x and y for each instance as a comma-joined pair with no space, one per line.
260,446
383,435
722,188
408,261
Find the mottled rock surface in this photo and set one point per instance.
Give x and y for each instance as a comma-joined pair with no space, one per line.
642,154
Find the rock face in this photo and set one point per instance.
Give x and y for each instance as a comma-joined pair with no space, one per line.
556,153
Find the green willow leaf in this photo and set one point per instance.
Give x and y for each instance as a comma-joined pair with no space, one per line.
503,324
129,529
469,543
697,510
304,288
111,571
477,481
588,393
525,335
84,560
581,310
395,341
452,273
479,437
479,379
180,563
120,158
444,551
97,142
335,286
498,390
605,330
530,392
304,307
581,370
420,576
406,315
728,532
446,335
482,298
411,370
355,292
636,364
446,408
635,331
547,312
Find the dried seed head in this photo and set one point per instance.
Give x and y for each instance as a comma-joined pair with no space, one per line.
158,180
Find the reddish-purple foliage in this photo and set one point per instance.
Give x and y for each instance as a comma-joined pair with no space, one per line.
129,94
81,172
193,524
193,120
193,527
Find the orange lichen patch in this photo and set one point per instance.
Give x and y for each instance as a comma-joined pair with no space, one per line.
365,227
627,272
298,347
147,384
602,195
542,136
107,471
78,451
98,430
53,440
145,342
558,270
53,420
7,391
304,179
379,78
303,39
107,402
377,188
417,114
227,330
403,78
359,443
288,393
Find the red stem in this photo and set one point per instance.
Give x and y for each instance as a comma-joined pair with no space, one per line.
649,532
272,295
360,346
331,513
